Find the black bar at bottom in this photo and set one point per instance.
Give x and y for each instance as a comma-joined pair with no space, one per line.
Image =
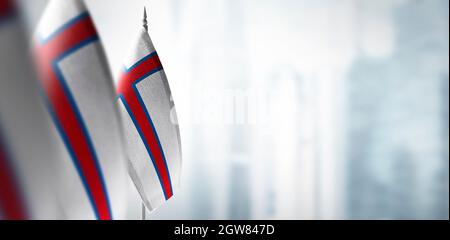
230,230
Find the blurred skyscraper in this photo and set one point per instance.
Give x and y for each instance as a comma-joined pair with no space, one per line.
395,122
238,140
442,180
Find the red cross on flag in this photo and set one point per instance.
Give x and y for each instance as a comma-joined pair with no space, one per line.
79,93
27,153
151,131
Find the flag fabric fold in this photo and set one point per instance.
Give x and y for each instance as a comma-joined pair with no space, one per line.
79,95
151,130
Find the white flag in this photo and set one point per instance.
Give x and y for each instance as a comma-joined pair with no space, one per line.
27,153
151,129
79,92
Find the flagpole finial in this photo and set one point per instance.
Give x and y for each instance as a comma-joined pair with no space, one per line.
145,19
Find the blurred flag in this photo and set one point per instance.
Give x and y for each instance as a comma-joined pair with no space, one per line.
27,153
6,10
79,94
150,124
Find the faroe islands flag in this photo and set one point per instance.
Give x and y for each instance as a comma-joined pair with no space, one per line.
27,152
151,130
79,93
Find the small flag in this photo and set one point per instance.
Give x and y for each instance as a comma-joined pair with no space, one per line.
79,93
27,153
151,132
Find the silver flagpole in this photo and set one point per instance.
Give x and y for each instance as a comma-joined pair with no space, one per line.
143,212
145,24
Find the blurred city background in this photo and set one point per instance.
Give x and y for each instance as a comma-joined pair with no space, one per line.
298,109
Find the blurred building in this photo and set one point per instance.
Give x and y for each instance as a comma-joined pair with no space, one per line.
442,178
395,122
239,133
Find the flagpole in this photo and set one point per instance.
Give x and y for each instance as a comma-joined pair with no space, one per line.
145,24
143,212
